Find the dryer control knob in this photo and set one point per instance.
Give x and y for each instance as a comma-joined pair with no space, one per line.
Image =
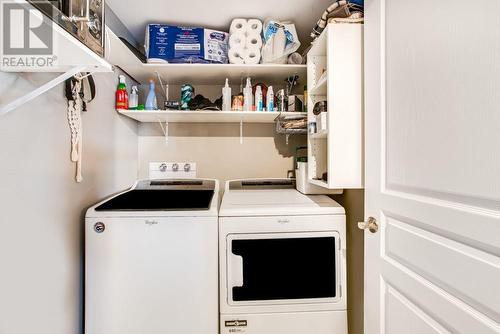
163,167
187,167
175,167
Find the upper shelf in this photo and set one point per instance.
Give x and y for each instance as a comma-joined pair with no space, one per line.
200,116
199,74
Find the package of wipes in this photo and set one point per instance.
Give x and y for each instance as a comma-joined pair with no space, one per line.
177,44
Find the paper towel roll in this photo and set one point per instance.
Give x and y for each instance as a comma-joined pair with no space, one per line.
254,41
238,39
251,55
238,25
295,58
237,55
254,26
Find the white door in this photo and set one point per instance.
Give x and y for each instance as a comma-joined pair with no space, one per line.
432,166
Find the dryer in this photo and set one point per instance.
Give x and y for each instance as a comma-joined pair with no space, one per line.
282,258
151,261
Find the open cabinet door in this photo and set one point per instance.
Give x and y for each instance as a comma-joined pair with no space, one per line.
432,246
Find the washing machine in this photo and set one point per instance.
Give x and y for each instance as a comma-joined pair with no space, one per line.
282,258
151,259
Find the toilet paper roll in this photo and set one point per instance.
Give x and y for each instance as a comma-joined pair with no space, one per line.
254,26
252,55
238,39
237,55
254,41
238,25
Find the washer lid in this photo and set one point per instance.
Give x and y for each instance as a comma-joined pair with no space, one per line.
163,195
248,201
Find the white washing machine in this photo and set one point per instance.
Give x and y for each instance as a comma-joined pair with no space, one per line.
151,261
282,258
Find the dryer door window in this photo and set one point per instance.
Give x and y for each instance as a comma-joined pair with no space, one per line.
283,268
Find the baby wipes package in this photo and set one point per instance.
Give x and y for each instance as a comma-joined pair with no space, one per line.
177,44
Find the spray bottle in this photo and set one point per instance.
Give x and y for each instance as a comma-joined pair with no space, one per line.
247,96
121,95
259,99
270,99
226,96
133,101
151,99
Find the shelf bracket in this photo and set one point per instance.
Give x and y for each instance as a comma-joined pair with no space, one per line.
164,129
241,131
42,89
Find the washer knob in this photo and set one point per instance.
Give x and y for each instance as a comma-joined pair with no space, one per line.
163,167
187,167
175,167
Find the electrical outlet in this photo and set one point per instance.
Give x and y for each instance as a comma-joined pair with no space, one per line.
172,170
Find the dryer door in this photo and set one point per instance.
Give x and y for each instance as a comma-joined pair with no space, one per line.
283,268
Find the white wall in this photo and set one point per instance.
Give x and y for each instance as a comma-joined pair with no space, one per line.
42,208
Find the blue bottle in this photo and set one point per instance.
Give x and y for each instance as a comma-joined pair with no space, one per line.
151,98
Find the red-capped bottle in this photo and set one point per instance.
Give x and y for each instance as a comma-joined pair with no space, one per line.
121,94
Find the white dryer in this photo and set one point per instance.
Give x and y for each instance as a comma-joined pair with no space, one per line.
151,261
282,260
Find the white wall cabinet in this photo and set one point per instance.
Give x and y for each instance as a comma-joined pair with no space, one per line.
335,75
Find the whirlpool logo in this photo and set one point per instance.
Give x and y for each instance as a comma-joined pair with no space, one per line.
236,323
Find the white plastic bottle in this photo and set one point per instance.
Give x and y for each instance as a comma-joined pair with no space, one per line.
133,99
270,99
247,96
259,100
226,97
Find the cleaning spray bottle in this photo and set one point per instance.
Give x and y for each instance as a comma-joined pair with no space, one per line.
247,96
270,99
133,101
151,99
121,95
226,96
258,99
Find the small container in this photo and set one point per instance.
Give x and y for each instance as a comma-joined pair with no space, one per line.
259,101
133,100
312,128
282,103
226,96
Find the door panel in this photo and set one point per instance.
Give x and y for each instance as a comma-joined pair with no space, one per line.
410,318
432,162
448,264
441,88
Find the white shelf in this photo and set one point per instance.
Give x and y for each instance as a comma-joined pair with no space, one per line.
320,89
319,135
201,116
198,74
319,183
335,75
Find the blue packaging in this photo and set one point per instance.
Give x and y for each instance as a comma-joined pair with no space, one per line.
177,44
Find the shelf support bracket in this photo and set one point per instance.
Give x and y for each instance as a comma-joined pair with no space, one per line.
241,131
40,90
165,130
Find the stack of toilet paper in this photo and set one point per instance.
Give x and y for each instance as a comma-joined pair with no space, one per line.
245,41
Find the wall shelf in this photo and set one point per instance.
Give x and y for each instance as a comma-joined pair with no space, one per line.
320,89
335,75
200,116
197,74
